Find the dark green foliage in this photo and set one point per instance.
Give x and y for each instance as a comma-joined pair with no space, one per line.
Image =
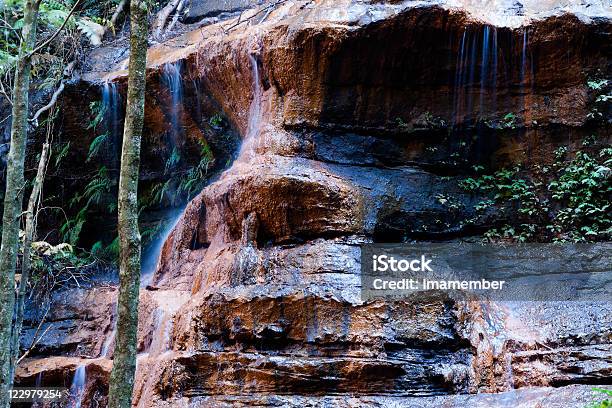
607,403
96,193
183,180
566,202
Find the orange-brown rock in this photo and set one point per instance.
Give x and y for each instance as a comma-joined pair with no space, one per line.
357,119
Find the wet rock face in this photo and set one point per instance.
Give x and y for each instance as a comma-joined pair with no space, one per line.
198,9
431,63
75,323
362,134
183,126
358,119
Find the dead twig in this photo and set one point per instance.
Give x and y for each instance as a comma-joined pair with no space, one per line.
67,72
179,8
36,339
56,33
163,16
25,354
268,9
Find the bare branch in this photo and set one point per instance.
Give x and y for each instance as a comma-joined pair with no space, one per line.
25,354
162,17
117,12
268,9
36,339
56,33
179,8
56,94
8,98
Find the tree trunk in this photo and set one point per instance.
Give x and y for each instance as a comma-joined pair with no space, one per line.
124,366
14,194
30,231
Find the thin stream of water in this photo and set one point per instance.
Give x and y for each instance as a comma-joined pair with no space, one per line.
112,105
171,78
255,108
151,256
77,388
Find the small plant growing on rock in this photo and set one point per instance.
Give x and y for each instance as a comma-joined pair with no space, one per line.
509,121
570,202
607,403
216,120
600,92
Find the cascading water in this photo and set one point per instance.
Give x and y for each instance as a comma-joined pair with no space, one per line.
151,255
170,74
171,79
484,48
458,93
77,388
472,66
254,118
484,64
112,105
163,327
255,108
106,346
104,352
524,56
526,79
494,70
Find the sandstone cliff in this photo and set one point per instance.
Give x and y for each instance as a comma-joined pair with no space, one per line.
355,118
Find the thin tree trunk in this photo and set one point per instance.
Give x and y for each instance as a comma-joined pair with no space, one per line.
14,194
124,366
30,230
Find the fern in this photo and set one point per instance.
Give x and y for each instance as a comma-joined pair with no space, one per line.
62,153
71,230
149,234
99,110
97,187
92,30
173,160
113,248
159,191
95,145
97,249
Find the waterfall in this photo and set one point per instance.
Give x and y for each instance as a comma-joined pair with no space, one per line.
162,329
253,121
77,388
494,71
112,106
526,78
255,108
483,67
524,57
151,256
171,79
472,64
464,75
466,79
106,346
459,79
488,70
112,103
104,352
